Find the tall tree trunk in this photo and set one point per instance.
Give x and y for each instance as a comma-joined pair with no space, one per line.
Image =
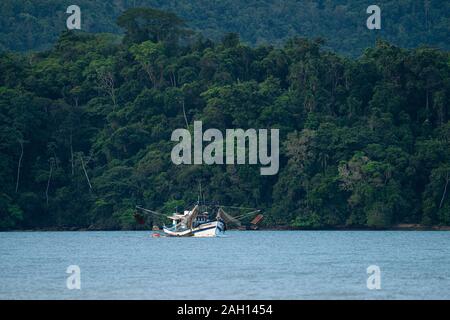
445,190
113,98
185,118
71,152
85,172
19,165
72,156
48,181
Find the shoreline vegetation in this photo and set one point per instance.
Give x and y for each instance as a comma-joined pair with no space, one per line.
85,129
399,227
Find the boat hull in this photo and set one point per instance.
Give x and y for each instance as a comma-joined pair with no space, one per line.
205,230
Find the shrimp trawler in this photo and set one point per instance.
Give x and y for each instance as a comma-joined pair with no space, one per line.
194,223
198,222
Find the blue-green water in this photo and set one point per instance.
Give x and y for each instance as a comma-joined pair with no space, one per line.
241,265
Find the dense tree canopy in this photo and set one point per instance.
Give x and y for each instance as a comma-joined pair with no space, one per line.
142,24
85,130
31,25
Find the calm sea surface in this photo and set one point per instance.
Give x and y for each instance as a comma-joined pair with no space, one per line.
240,265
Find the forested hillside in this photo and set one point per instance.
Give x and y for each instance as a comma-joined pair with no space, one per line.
85,129
36,25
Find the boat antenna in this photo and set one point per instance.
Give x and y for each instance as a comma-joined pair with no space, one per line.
198,197
200,194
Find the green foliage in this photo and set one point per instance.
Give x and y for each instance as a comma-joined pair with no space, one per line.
10,214
146,24
36,25
85,130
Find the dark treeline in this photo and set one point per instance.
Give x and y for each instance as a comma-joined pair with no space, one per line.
36,25
85,129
